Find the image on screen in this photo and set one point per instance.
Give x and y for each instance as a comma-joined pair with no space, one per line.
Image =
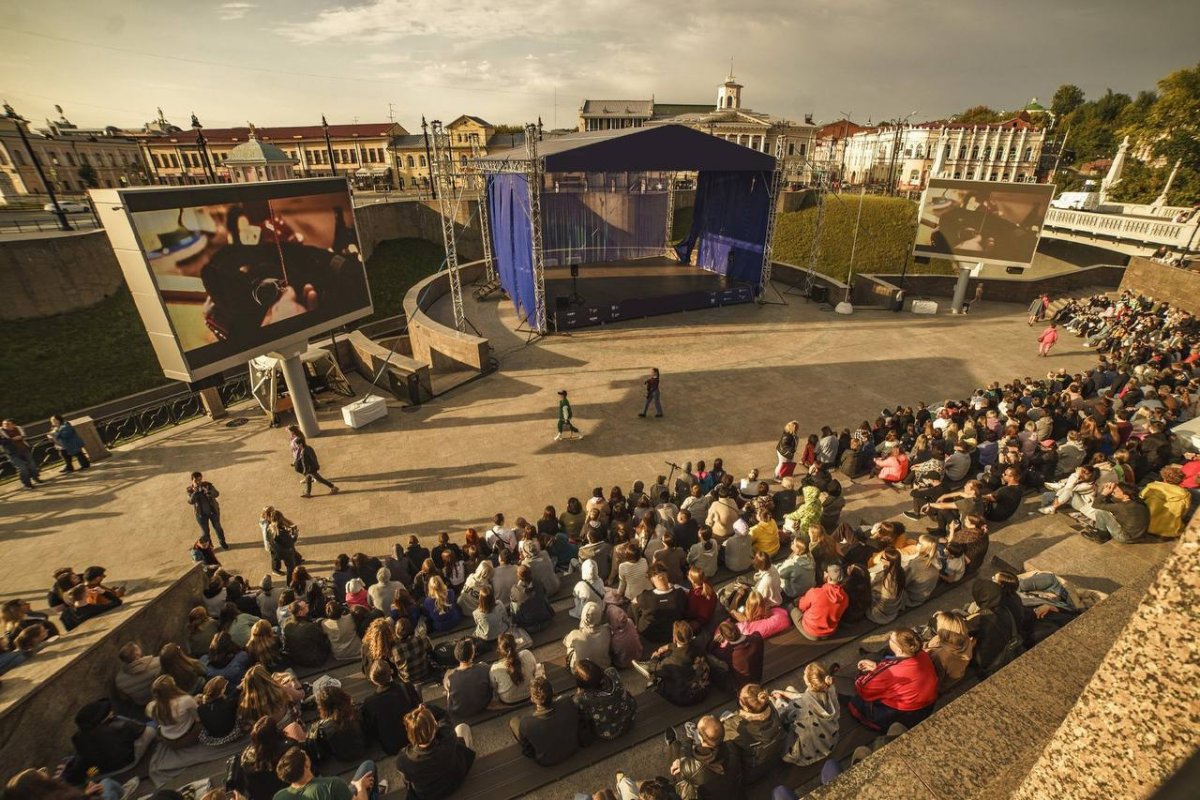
982,221
236,275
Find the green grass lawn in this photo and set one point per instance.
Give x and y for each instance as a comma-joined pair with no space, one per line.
72,361
395,266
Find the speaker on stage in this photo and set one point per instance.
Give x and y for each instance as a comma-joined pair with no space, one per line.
574,270
562,304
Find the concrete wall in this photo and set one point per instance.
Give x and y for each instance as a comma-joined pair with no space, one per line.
417,219
48,275
1179,287
436,344
42,695
878,289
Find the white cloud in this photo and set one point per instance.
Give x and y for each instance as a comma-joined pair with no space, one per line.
228,12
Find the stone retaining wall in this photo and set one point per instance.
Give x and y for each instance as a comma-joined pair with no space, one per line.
417,219
44,276
1179,287
42,695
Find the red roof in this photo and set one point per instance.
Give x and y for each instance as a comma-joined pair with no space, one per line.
840,129
284,134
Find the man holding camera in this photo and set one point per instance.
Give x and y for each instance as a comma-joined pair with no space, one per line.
202,496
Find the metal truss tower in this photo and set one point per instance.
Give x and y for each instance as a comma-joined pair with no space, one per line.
773,192
533,174
479,184
449,193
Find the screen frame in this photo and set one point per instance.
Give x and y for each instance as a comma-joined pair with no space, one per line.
115,208
922,251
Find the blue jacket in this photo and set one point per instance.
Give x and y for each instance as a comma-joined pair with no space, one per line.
66,439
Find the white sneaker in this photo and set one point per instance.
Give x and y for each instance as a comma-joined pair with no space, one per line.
558,437
1047,510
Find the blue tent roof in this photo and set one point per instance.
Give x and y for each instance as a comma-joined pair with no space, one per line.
661,147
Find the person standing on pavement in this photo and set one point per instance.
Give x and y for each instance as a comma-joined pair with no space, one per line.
564,416
68,443
652,394
12,442
304,461
1047,339
202,496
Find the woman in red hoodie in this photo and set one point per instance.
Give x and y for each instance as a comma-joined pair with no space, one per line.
900,688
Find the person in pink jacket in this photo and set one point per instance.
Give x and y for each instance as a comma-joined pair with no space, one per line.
760,618
893,468
1047,339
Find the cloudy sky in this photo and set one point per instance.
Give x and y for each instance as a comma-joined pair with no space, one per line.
287,62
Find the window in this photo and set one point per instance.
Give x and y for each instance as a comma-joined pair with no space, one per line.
174,160
975,152
155,159
914,176
992,177
70,159
987,153
947,152
410,161
353,156
791,148
423,161
1012,152
803,149
1028,153
957,176
1004,177
962,152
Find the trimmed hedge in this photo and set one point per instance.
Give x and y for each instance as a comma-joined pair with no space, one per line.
396,266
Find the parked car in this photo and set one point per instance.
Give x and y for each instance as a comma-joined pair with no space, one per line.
69,207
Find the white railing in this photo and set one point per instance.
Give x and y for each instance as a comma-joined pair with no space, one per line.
1114,226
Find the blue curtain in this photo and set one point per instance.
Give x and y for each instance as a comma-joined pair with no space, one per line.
512,239
729,225
603,225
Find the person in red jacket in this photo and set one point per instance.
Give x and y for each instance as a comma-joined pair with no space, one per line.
900,688
820,609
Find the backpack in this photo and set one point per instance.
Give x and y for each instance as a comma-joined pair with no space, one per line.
1013,647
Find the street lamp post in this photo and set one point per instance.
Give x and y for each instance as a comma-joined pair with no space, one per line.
328,146
18,121
428,157
202,143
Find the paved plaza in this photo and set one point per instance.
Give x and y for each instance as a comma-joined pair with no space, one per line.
731,378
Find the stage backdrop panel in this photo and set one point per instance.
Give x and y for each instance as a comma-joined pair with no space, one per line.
729,225
584,227
512,238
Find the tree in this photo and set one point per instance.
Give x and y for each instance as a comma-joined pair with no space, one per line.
87,174
1067,98
979,115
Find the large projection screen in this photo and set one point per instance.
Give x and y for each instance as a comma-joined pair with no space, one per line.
223,273
982,221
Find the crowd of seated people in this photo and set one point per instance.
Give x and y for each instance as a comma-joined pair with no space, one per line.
637,569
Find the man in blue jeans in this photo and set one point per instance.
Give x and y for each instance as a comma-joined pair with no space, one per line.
202,496
295,769
652,395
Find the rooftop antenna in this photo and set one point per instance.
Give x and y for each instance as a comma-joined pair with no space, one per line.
391,112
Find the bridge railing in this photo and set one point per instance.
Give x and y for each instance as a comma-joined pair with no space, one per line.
1175,235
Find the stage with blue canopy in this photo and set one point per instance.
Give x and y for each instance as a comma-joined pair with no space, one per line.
604,198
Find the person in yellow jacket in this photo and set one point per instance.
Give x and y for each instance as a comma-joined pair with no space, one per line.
765,534
1168,502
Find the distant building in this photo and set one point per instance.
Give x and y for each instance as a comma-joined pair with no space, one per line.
905,157
359,151
73,158
254,161
830,147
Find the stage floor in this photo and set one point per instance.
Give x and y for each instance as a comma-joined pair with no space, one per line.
631,289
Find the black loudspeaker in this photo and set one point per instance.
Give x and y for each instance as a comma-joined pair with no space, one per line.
819,293
574,270
562,304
